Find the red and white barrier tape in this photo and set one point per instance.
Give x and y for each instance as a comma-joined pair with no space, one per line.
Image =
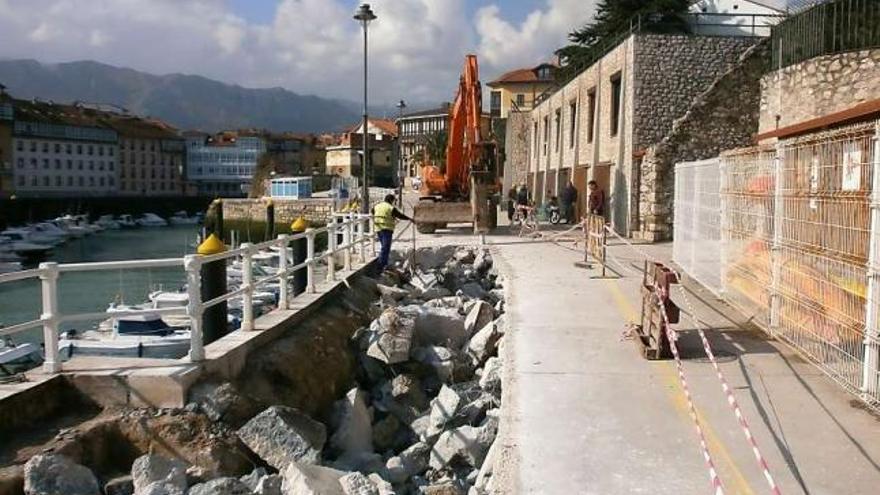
731,398
717,487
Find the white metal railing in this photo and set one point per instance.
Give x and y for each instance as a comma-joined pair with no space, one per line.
358,244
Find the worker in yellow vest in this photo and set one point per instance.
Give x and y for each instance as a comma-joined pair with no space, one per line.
385,216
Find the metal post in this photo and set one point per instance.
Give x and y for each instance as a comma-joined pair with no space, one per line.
365,196
361,233
872,305
193,265
372,235
725,225
331,249
49,283
347,240
284,288
695,215
776,246
247,282
310,259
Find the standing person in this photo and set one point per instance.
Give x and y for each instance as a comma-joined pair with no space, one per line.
511,201
569,198
385,217
596,199
522,196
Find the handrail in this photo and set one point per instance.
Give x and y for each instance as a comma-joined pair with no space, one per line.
356,231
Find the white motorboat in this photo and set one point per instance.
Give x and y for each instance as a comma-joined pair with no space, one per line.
127,221
182,218
48,233
108,222
71,228
17,241
18,357
28,234
144,335
151,220
83,221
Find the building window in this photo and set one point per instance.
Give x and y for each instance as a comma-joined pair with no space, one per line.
110,181
45,163
520,101
110,166
57,181
572,122
101,182
615,103
591,114
45,181
57,148
544,73
79,165
546,140
19,145
57,164
69,164
34,181
495,103
558,128
91,165
68,148
91,182
45,147
69,181
81,181
100,151
110,150
535,138
91,150
33,163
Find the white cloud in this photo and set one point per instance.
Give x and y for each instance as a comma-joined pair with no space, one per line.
311,46
504,44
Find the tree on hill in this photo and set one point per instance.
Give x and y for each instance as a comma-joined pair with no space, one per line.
614,17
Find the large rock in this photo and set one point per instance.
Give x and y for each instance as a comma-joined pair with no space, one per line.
430,258
407,389
464,255
410,462
58,475
224,403
393,335
441,359
122,485
221,486
269,485
473,290
468,444
443,409
443,488
281,435
437,326
253,478
162,488
385,432
483,262
392,293
306,479
449,302
484,344
357,484
150,468
480,315
352,420
382,486
490,380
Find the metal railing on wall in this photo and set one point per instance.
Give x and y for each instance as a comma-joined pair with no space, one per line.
826,28
799,244
349,236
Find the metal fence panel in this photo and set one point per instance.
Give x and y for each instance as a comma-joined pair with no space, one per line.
799,244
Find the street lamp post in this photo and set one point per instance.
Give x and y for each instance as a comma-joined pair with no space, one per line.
400,175
365,15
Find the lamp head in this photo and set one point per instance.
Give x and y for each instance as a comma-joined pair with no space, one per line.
365,14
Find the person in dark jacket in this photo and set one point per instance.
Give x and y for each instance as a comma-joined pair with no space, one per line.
596,199
569,198
522,196
511,201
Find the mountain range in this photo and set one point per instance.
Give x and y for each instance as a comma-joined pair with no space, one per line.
185,101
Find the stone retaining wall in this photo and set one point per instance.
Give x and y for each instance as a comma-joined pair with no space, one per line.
315,210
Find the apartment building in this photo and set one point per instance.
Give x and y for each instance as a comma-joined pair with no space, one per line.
415,128
62,150
518,89
151,157
343,158
6,115
222,164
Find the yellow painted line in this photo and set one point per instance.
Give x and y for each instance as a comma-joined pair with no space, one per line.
679,401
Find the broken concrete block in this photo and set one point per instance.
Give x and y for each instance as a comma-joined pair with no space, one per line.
490,380
407,389
443,409
353,424
464,255
453,302
357,484
382,486
393,337
483,261
54,474
392,293
307,479
473,290
151,468
224,403
480,315
436,292
443,488
122,485
281,435
221,486
439,358
467,444
484,344
437,326
162,488
269,485
251,479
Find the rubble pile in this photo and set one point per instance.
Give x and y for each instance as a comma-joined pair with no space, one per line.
421,417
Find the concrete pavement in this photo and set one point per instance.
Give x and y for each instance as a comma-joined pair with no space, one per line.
586,414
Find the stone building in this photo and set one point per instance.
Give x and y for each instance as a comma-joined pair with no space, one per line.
62,150
607,122
151,157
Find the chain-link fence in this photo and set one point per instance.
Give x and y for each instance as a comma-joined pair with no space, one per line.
788,235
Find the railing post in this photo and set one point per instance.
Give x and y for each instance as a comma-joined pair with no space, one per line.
361,238
776,245
872,306
347,239
724,225
192,263
310,260
284,289
372,234
331,249
247,283
49,283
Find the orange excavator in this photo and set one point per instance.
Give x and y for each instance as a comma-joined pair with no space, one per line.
463,189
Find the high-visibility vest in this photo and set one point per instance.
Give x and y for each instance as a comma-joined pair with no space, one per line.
382,216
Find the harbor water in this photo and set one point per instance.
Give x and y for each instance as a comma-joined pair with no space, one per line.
93,291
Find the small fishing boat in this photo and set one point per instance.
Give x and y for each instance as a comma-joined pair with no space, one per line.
151,220
15,358
143,335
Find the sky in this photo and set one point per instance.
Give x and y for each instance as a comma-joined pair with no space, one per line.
417,47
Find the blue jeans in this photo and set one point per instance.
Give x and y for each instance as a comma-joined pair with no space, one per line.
385,243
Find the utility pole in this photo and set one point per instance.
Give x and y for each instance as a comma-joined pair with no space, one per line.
400,175
365,15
